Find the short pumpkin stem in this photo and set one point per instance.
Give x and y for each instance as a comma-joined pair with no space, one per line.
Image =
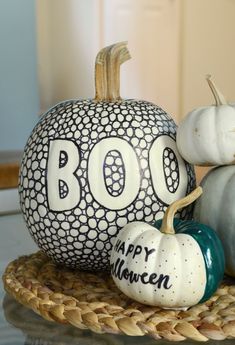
107,71
167,222
219,98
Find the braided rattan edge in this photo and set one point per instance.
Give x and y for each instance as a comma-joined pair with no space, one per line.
214,319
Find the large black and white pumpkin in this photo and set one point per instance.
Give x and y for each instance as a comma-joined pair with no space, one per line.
91,166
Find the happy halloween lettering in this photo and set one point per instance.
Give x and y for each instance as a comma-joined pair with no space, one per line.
121,247
119,271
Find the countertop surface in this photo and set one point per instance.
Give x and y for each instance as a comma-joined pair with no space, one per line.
19,325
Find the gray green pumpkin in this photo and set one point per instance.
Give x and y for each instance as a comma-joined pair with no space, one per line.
216,208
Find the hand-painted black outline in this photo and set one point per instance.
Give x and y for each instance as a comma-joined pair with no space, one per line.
173,138
63,160
140,172
74,173
177,169
124,174
63,189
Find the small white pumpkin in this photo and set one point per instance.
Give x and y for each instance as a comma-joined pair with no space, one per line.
206,136
176,267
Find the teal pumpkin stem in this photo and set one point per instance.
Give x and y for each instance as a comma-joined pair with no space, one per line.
219,98
167,226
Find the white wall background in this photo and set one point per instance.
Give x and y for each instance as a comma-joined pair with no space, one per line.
19,102
208,37
67,44
173,43
71,32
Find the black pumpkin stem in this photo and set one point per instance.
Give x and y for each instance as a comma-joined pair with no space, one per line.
167,226
107,71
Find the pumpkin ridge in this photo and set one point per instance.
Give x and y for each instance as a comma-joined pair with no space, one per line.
211,250
214,262
179,273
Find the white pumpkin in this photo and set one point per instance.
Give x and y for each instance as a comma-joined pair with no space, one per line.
216,209
176,267
206,136
90,166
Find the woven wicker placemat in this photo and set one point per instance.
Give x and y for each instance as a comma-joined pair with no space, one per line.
92,301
